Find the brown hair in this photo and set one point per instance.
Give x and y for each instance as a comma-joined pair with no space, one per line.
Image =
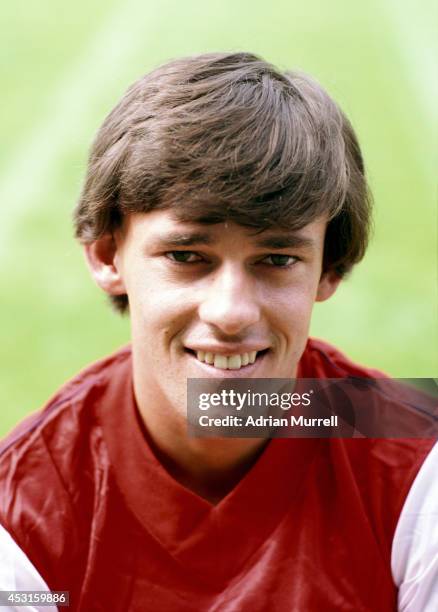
226,136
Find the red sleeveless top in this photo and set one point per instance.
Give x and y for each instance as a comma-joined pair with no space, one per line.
309,528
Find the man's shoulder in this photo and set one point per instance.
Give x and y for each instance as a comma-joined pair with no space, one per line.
55,465
323,360
63,440
79,393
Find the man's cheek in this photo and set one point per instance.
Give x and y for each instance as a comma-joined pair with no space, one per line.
296,310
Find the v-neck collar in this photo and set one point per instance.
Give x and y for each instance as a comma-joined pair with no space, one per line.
189,527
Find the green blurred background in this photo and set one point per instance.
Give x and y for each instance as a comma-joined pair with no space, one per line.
64,66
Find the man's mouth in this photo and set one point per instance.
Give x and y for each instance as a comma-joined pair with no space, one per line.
234,361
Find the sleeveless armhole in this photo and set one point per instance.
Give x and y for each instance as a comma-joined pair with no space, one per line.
18,574
414,556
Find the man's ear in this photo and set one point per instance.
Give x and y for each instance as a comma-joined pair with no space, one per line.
102,259
328,284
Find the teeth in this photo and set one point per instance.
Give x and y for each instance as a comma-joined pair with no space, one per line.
234,362
220,361
223,362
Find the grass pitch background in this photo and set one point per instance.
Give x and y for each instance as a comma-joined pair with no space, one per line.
64,67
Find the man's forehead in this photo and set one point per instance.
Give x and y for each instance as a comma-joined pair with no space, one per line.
166,228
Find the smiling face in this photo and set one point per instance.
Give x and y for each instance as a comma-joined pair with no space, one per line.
211,300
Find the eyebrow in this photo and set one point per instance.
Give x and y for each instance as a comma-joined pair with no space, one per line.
285,241
185,239
275,242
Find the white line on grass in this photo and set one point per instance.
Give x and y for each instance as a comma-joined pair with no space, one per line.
413,31
27,176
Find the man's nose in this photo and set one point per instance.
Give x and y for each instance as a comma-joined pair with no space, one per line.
230,302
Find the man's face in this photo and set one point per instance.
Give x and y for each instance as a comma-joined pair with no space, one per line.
216,300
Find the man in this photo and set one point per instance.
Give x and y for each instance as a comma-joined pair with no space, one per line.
223,198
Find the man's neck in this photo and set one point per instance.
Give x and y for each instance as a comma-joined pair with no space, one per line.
210,467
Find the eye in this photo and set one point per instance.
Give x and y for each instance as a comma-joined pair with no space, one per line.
183,256
279,261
